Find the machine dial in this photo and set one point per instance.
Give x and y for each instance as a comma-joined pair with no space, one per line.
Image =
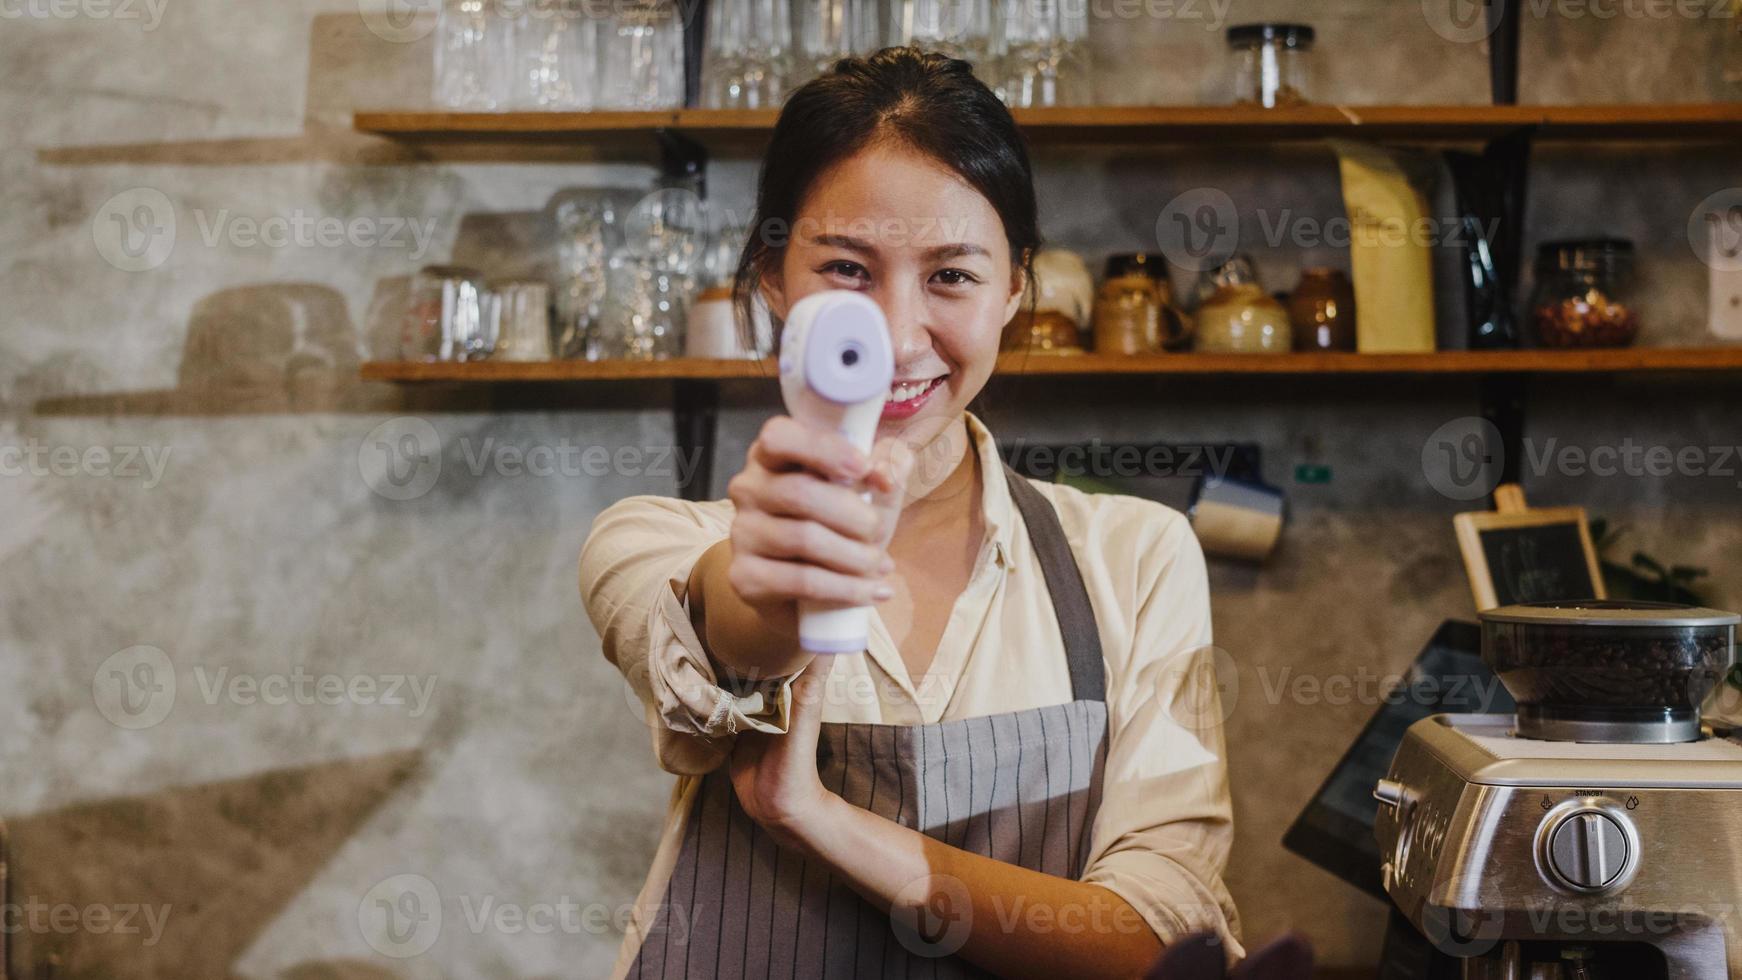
1588,849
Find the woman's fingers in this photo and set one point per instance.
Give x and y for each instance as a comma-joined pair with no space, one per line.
759,579
805,497
787,444
804,528
784,537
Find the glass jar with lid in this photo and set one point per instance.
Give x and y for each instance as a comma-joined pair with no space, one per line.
1238,316
1271,64
1584,293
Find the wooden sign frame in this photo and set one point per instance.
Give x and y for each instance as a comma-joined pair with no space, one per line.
1512,513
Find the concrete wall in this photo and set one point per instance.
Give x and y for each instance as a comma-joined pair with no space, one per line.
243,694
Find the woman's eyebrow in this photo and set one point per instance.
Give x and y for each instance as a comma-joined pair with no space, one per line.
847,242
956,250
937,252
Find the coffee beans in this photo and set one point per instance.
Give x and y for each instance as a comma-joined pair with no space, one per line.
1569,667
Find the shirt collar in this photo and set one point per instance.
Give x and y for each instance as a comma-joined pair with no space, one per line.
995,502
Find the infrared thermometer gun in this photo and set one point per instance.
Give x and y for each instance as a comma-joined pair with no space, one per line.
836,365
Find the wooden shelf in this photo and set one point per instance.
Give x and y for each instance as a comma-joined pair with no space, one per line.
1125,124
1616,361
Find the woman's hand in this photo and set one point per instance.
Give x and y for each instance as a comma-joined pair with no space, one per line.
801,530
775,776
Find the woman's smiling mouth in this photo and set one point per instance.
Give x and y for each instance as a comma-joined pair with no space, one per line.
906,398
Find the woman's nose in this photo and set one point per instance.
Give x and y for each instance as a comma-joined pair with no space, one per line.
909,330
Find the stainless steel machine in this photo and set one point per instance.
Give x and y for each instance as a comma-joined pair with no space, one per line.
1597,833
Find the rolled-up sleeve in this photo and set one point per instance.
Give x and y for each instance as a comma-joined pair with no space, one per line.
634,576
1162,835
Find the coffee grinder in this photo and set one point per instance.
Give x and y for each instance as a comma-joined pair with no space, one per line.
1597,833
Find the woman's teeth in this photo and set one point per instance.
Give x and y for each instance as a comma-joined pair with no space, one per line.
909,391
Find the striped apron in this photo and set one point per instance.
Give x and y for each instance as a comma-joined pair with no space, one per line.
1022,787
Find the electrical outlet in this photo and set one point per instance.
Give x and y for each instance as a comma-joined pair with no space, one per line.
1725,262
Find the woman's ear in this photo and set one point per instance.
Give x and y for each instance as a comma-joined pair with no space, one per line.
1018,285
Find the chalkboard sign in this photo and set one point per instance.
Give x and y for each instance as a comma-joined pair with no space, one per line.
1529,556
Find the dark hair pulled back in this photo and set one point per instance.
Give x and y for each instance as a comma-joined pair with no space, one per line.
922,99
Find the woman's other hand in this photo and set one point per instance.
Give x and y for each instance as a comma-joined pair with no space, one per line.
775,775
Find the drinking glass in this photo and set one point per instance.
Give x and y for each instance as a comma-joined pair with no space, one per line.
642,63
474,47
829,30
1043,53
749,54
523,316
585,231
556,47
959,28
445,318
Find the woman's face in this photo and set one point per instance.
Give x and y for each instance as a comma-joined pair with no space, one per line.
929,249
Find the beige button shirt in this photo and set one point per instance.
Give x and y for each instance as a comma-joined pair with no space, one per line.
1161,837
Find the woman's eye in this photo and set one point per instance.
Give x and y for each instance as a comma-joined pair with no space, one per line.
955,277
848,270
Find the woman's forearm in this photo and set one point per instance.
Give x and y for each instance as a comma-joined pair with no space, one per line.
752,642
1021,923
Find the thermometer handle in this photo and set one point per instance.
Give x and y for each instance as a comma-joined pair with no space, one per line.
830,627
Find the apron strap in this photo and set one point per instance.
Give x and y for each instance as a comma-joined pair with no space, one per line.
1064,581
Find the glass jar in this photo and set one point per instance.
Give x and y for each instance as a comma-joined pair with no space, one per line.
1584,294
1322,309
1271,64
1239,317
644,310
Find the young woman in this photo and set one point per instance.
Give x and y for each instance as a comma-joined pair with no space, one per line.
1023,774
